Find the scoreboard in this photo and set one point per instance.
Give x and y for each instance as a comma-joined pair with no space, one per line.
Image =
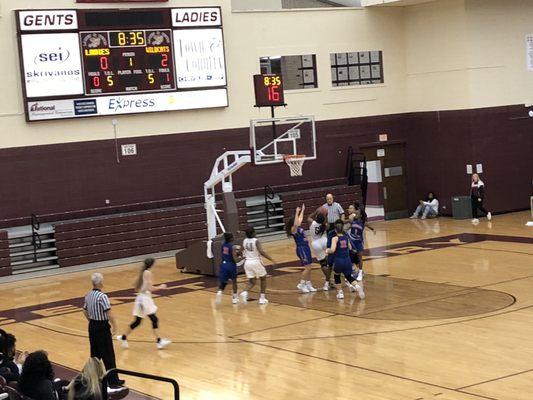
83,63
127,61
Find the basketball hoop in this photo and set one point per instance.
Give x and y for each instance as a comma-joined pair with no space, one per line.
295,163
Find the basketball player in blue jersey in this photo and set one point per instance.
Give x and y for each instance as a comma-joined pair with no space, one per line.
303,251
340,247
356,234
331,257
228,268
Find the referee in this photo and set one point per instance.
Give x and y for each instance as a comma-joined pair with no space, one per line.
97,310
335,211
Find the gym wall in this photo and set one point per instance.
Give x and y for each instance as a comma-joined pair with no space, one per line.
455,85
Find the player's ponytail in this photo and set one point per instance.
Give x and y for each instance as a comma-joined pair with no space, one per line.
288,226
147,264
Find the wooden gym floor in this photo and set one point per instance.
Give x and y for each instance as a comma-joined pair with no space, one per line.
447,316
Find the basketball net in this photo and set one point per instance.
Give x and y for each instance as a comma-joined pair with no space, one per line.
295,163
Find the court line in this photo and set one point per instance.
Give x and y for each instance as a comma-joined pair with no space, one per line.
497,379
454,294
397,330
284,325
466,246
367,369
130,340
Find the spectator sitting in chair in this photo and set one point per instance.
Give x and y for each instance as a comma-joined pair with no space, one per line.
36,379
428,208
10,365
88,385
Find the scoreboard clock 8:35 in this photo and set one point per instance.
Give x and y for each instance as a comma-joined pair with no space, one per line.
128,61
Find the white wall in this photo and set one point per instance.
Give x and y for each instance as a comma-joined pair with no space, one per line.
248,36
447,54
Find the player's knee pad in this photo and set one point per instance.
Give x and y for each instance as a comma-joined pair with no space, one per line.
349,277
222,285
155,321
337,279
135,323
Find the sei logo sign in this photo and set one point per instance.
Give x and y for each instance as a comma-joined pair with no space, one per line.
52,64
56,56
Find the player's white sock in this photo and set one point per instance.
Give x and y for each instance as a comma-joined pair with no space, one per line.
219,293
262,296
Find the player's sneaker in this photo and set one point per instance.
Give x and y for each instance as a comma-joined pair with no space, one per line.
326,286
360,275
263,300
163,343
310,287
123,342
360,291
244,296
489,216
218,297
235,300
302,288
340,295
475,221
413,217
423,217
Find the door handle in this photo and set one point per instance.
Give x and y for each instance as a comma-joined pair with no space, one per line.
384,192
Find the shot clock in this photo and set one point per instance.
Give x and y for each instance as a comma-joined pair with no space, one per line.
268,90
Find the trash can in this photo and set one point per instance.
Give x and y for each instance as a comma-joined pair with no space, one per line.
461,207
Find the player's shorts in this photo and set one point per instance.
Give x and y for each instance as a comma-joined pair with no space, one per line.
319,248
227,271
358,246
144,305
343,266
254,269
304,254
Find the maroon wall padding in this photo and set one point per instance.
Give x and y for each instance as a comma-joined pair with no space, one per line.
107,238
5,262
119,236
54,179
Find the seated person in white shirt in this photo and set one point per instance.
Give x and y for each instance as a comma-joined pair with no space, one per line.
427,208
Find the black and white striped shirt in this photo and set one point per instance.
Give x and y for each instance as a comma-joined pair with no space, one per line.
334,211
97,305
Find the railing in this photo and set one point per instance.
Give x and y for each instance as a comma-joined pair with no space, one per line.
105,379
269,195
35,237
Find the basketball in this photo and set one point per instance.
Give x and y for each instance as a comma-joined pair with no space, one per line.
322,210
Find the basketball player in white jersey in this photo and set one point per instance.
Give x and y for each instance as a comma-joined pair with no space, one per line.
144,305
253,266
318,227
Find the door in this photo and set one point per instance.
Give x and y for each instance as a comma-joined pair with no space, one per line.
394,182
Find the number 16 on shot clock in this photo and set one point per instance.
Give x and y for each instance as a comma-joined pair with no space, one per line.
269,90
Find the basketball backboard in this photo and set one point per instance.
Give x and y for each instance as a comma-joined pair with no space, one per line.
272,139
